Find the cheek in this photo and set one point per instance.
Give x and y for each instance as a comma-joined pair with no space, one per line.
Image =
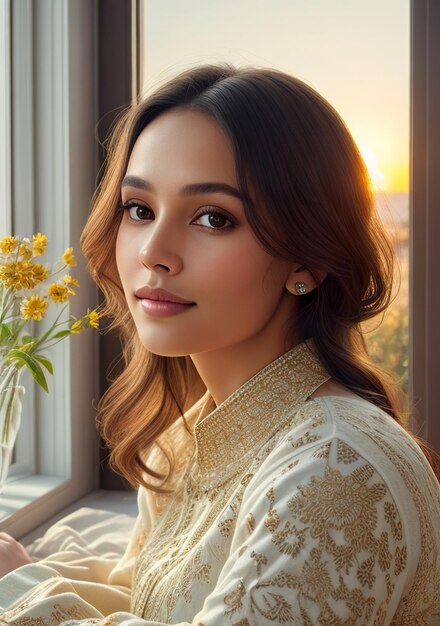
123,256
244,274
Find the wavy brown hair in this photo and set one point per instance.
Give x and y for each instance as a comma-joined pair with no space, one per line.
313,205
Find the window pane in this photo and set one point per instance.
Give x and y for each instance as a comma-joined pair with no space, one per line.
356,54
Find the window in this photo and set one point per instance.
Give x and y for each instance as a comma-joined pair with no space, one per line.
53,165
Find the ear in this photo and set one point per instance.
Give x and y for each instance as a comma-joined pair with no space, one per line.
301,281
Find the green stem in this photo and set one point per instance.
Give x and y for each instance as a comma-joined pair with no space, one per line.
13,378
7,302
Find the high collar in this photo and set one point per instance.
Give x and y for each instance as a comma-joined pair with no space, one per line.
240,425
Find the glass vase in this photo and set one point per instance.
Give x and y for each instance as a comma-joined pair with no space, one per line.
11,393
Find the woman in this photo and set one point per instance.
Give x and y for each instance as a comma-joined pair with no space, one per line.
235,240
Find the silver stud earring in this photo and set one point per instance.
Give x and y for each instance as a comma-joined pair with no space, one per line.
300,288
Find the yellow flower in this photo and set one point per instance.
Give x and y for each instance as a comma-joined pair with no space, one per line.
77,327
93,317
39,272
18,275
25,249
33,308
69,258
8,244
69,280
39,243
58,292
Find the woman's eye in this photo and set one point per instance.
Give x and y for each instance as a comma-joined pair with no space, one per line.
138,212
214,220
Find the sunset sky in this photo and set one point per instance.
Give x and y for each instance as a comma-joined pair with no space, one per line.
354,52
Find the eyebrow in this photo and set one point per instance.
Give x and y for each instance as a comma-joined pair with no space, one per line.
188,190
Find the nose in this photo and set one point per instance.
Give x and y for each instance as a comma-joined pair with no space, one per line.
159,252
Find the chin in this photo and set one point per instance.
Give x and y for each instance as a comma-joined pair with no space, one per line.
163,348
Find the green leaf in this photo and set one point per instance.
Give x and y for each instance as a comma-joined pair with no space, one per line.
27,339
5,331
44,361
61,333
33,366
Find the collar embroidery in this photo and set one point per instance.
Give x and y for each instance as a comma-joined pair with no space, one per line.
247,419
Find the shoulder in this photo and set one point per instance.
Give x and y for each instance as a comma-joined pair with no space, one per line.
343,433
350,479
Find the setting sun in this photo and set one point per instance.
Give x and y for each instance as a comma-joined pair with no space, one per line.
378,179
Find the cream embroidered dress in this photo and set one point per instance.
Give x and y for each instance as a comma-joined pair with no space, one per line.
286,510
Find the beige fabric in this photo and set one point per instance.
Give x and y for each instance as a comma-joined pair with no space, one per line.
286,511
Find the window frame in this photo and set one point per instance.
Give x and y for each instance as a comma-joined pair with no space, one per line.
425,219
5,116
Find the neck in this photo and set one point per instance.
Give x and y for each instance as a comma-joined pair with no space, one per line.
225,370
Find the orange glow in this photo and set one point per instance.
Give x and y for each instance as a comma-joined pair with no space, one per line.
378,178
398,176
386,175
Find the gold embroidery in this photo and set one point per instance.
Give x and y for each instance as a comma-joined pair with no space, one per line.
400,560
314,580
391,518
57,615
323,451
308,414
260,560
365,573
290,466
243,550
226,526
250,522
422,603
234,599
334,503
280,536
198,571
276,608
340,502
383,553
390,587
346,454
304,440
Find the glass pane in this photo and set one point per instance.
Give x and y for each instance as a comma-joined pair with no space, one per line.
356,54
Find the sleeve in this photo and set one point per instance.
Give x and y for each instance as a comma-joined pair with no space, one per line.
319,540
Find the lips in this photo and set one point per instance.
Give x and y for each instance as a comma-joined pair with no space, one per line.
160,295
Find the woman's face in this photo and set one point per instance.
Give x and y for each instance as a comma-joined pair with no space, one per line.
184,230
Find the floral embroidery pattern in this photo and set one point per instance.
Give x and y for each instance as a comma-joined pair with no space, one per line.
339,514
337,502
